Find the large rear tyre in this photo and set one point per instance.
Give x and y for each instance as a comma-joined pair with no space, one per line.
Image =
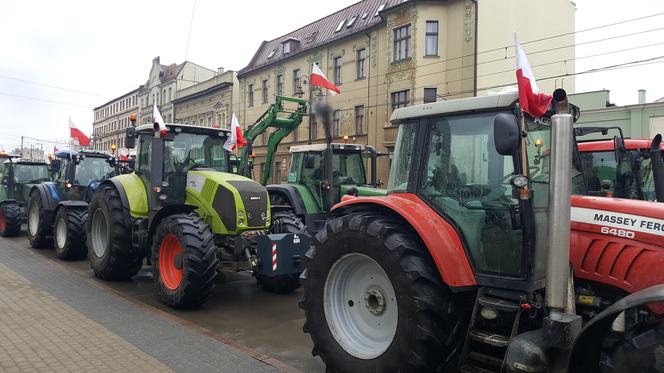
374,301
641,350
39,230
184,261
10,219
284,221
69,234
111,254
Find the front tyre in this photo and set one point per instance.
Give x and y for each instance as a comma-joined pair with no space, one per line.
284,221
184,261
374,301
10,219
38,228
111,254
69,234
641,350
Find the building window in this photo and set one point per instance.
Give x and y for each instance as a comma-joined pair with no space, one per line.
280,85
297,80
250,95
209,122
361,58
286,47
265,91
337,70
359,120
431,43
400,99
336,123
170,89
313,128
401,43
430,95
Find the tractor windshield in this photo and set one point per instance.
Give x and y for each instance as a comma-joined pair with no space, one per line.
30,173
195,150
90,169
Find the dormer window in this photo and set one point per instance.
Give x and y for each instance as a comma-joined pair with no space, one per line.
351,22
289,45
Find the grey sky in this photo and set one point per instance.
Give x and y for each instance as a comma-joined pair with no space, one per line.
105,48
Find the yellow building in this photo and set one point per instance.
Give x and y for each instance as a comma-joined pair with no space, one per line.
385,54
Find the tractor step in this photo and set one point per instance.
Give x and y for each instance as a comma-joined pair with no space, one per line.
474,369
493,339
498,304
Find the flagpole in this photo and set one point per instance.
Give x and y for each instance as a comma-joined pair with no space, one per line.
524,157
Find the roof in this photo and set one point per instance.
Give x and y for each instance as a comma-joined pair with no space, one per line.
454,106
73,153
607,145
321,32
149,127
321,147
168,72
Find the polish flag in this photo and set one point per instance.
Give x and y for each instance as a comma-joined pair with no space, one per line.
236,139
530,100
158,121
77,134
55,149
318,79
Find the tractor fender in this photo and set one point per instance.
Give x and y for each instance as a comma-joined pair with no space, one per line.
440,238
49,194
586,350
164,212
123,199
292,194
81,205
6,201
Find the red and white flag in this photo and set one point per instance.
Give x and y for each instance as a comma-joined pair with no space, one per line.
55,149
77,134
318,79
158,121
235,139
530,100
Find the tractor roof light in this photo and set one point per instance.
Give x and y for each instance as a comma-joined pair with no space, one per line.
132,117
156,189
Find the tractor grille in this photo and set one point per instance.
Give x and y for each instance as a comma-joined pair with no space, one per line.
255,199
224,205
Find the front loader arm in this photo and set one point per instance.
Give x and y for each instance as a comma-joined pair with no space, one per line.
284,126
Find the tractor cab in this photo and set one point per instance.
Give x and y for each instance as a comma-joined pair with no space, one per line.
76,174
618,167
16,176
349,173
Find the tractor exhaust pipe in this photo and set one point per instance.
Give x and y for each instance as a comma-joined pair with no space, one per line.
560,102
560,191
657,167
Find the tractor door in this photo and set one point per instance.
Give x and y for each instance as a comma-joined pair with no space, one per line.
143,160
5,178
64,176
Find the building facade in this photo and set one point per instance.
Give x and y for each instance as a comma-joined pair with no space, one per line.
386,54
163,85
110,121
209,103
642,120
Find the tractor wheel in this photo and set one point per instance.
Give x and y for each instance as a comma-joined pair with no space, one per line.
111,254
69,234
283,222
10,220
38,228
641,350
374,301
184,261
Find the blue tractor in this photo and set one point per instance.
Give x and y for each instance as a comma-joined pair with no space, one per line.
58,210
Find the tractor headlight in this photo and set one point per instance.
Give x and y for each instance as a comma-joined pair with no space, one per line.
240,214
162,197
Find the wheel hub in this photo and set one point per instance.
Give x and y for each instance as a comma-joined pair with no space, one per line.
374,301
33,219
61,233
100,232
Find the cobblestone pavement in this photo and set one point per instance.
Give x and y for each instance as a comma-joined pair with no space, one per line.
52,320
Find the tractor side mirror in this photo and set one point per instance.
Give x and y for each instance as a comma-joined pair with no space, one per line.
130,138
55,165
506,134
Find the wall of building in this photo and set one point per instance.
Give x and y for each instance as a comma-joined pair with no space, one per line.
111,120
209,103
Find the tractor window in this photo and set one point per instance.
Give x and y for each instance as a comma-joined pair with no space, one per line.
191,150
144,154
402,158
348,169
294,169
91,169
467,181
61,175
24,173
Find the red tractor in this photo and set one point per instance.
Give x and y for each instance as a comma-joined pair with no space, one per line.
465,264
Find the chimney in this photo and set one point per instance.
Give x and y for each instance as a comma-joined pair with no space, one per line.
642,96
220,70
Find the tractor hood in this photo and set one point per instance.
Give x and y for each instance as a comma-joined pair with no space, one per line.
230,203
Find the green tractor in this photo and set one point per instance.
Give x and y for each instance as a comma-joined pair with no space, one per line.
185,212
16,179
310,191
58,209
